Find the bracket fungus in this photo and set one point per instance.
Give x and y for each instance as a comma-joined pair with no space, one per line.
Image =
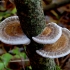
58,49
49,35
11,32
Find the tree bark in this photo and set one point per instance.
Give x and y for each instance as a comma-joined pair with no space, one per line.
32,21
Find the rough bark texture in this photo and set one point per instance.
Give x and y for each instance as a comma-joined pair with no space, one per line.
33,22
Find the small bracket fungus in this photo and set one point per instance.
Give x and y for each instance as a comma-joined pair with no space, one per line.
58,49
11,32
49,35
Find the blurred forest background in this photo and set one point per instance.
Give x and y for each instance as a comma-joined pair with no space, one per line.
13,57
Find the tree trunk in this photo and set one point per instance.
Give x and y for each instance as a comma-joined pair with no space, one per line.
32,21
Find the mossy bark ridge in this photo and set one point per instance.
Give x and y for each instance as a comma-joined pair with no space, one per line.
31,14
32,21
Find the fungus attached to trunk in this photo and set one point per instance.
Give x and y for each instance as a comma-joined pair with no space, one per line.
58,49
49,35
11,32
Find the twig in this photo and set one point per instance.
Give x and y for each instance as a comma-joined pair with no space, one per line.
47,1
3,10
26,60
56,5
63,62
57,61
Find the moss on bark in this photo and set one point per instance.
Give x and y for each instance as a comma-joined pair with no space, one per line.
31,14
32,21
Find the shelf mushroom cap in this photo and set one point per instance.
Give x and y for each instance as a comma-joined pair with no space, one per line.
49,35
11,32
59,49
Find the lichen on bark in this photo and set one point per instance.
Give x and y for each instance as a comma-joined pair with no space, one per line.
31,14
32,21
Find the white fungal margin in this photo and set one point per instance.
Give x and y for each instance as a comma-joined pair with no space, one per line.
52,40
16,41
46,55
13,40
59,53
